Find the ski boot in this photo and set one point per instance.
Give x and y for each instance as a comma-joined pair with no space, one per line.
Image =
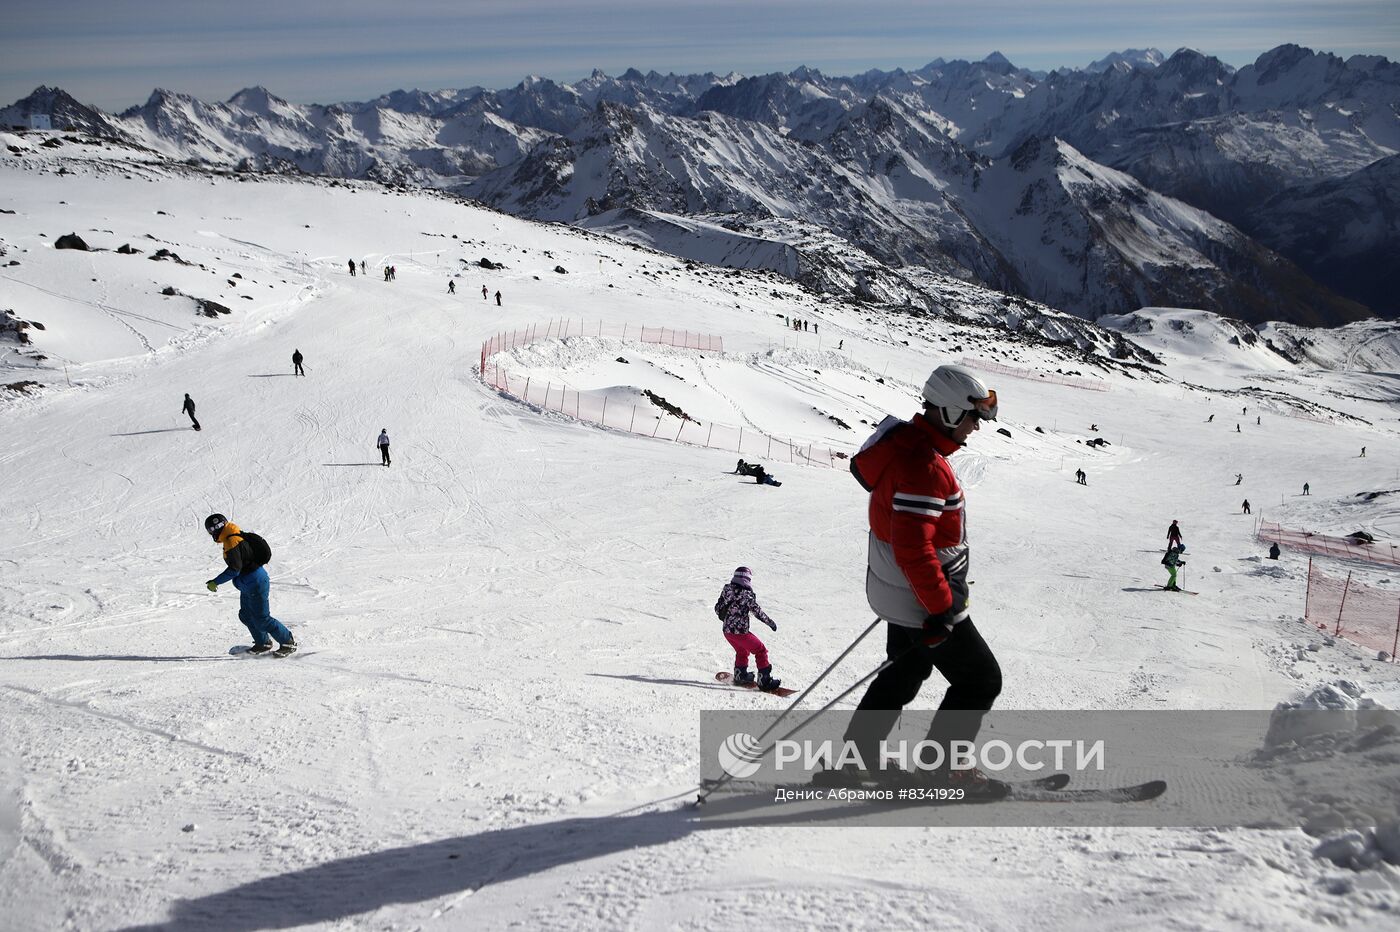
286,649
742,676
260,648
766,683
972,781
848,776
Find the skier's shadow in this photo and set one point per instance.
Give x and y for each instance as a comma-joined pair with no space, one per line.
273,375
163,430
336,890
1137,589
352,464
658,681
168,659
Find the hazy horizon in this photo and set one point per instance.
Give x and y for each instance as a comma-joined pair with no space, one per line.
114,55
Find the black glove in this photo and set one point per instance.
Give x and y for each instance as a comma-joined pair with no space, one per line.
937,627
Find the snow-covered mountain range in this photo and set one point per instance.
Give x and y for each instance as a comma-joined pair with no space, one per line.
1142,179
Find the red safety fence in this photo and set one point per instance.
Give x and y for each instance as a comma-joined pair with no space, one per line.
1382,552
646,418
1035,375
567,327
1362,614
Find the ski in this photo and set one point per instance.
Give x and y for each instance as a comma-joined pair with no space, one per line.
1136,793
724,676
1185,591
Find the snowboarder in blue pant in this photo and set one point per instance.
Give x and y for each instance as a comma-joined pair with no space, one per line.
245,554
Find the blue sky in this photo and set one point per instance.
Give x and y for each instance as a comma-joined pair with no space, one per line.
113,52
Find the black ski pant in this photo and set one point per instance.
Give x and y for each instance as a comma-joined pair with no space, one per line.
964,660
298,370
384,453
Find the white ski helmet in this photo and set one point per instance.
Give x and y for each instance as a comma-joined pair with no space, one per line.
954,392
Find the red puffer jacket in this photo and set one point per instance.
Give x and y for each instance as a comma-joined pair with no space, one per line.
918,559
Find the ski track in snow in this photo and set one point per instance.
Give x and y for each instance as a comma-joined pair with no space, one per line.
507,634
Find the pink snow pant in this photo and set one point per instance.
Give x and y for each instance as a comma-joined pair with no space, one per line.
745,644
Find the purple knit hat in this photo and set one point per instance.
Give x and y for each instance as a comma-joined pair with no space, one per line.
743,576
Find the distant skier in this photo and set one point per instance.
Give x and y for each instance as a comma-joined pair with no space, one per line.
245,554
1363,452
1239,477
1258,419
1273,551
1245,507
296,363
1305,488
484,295
383,444
736,602
498,299
1174,536
352,268
386,273
1171,560
1211,418
362,266
916,575
840,343
188,408
451,287
1081,477
1237,428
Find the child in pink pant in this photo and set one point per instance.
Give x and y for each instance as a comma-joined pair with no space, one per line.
736,602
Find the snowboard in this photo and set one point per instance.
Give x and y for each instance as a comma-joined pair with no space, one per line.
245,650
772,482
724,676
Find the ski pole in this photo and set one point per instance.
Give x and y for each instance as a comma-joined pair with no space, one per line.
832,666
705,792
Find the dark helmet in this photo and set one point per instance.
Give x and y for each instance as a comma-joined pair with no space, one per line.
214,524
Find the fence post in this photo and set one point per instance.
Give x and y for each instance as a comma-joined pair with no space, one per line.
678,430
657,427
545,405
527,389
1345,589
740,448
710,434
1396,643
633,423
770,447
604,421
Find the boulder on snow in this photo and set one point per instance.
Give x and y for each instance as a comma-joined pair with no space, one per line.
488,264
211,308
71,241
127,249
561,270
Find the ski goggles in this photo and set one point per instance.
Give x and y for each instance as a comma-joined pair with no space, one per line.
985,408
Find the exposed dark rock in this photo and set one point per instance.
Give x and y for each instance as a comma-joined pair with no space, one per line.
71,241
127,249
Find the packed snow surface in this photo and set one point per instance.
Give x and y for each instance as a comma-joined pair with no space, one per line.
507,636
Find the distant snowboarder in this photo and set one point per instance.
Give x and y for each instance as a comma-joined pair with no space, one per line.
352,268
1273,551
1245,507
451,287
498,299
759,474
1239,477
1211,418
245,554
1174,536
383,444
188,408
1363,452
1305,489
736,602
296,363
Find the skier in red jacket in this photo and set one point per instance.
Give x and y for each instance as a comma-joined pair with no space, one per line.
916,578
